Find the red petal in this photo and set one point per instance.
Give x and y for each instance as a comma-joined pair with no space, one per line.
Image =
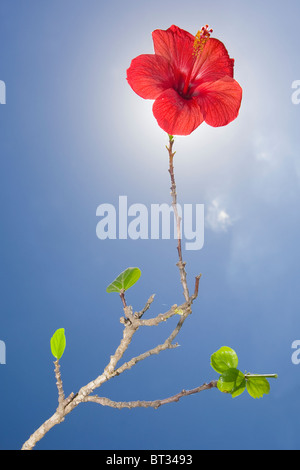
149,75
213,63
219,101
175,115
175,45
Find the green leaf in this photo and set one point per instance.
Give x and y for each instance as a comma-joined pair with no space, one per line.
239,388
58,343
125,280
258,386
232,381
225,358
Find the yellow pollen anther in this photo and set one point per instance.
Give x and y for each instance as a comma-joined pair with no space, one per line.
201,39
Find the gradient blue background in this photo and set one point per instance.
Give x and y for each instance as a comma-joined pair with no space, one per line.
74,135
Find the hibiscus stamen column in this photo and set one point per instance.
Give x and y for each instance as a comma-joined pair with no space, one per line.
181,264
201,39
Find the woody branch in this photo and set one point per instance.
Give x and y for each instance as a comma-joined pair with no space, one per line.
132,322
149,404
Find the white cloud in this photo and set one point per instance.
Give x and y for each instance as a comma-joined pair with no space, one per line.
217,218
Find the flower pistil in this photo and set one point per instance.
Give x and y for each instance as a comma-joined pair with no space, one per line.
201,39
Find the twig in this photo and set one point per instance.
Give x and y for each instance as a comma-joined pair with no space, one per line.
61,395
161,347
195,294
161,317
147,306
149,404
122,295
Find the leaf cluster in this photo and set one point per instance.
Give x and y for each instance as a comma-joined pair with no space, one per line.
225,361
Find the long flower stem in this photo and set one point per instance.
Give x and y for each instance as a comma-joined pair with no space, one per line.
181,264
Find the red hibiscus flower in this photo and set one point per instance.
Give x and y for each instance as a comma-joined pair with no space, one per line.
190,78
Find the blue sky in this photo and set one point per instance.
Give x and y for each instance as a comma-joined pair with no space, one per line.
73,135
